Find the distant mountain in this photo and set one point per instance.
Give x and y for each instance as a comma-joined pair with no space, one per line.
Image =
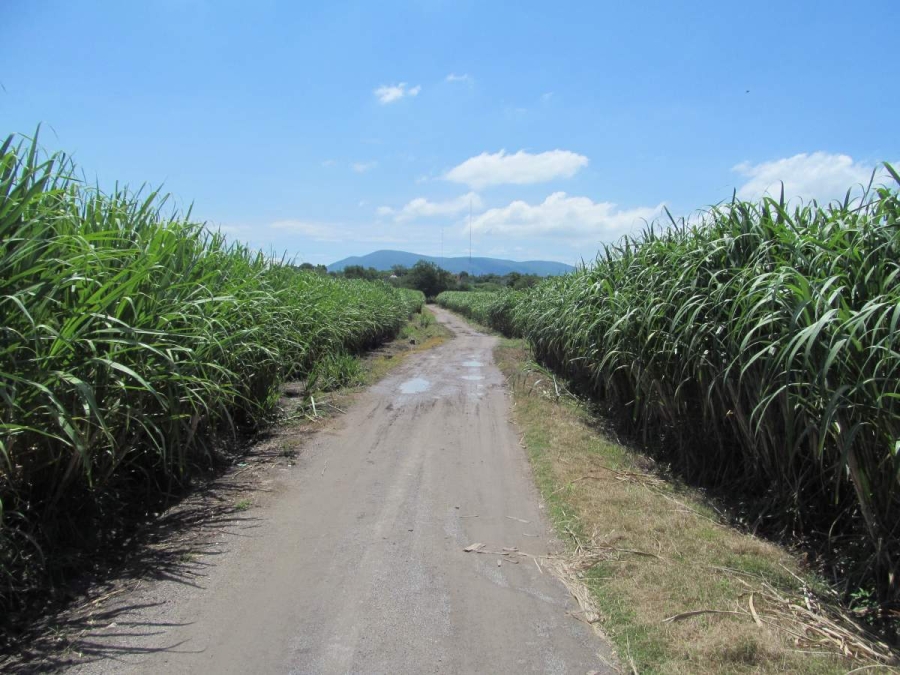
385,260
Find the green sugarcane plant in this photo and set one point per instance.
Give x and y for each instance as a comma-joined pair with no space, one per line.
132,339
758,346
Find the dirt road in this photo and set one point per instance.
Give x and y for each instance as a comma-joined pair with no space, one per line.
356,565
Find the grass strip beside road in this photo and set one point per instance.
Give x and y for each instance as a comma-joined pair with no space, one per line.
421,333
679,590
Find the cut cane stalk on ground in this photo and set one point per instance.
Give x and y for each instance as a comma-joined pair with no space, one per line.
676,589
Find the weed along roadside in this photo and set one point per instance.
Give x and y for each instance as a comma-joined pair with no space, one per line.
449,338
757,353
175,541
139,345
752,355
677,589
347,544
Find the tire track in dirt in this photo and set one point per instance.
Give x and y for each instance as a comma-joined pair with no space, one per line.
357,564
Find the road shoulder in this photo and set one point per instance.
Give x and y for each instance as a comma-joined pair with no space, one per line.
677,589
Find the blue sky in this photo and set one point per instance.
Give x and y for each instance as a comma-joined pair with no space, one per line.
334,129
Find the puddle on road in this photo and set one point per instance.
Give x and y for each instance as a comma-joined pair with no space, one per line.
473,377
415,386
472,364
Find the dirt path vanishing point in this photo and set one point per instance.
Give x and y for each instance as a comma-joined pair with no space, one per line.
356,563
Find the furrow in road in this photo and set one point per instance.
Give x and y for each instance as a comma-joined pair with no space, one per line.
357,566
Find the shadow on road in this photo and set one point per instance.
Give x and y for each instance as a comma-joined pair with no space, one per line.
92,618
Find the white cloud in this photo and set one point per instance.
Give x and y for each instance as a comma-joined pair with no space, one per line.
821,176
329,162
388,93
422,208
521,168
453,77
362,167
545,97
576,219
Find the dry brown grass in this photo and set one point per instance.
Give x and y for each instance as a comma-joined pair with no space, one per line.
678,591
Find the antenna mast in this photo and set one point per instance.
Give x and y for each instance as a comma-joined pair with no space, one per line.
470,235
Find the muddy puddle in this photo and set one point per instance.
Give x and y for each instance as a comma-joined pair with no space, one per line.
415,386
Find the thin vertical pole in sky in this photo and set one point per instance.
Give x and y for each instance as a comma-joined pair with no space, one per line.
470,235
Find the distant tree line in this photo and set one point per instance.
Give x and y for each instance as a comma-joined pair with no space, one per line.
431,279
320,269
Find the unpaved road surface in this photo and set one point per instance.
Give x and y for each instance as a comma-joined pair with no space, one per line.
356,565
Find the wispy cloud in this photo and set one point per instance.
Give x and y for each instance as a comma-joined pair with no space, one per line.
465,77
329,162
820,175
388,93
521,168
362,167
575,219
423,208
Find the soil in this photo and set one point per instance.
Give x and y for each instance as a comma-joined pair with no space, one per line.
344,552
